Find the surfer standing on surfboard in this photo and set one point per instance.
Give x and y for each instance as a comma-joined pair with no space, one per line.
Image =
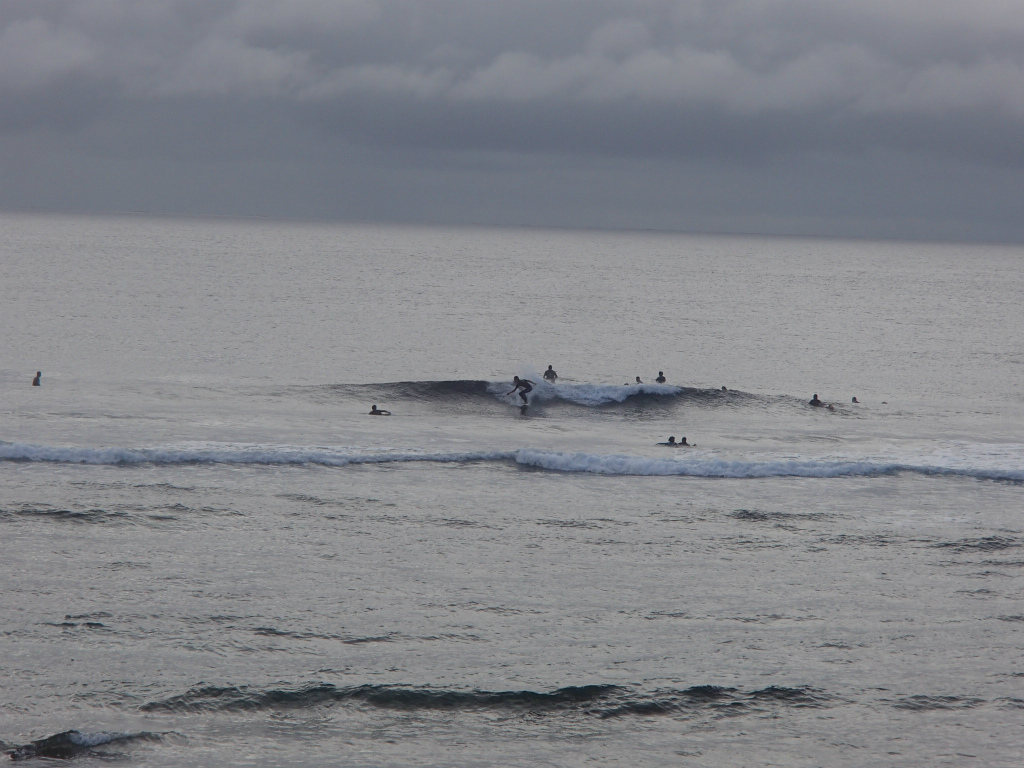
525,385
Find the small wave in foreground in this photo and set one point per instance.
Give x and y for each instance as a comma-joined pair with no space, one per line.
601,701
72,744
696,465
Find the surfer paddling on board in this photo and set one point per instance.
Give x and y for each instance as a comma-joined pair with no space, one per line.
671,441
550,375
375,411
524,386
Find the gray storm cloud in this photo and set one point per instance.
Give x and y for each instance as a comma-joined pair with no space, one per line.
818,82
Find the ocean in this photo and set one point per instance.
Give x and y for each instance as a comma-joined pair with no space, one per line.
213,555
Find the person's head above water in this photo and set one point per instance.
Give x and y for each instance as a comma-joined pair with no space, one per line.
549,367
638,380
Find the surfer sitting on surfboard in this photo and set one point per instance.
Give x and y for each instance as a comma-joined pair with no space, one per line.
374,411
525,385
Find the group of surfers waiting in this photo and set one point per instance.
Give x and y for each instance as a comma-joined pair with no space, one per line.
814,401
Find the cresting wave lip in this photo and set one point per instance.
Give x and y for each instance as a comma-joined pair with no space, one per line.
703,465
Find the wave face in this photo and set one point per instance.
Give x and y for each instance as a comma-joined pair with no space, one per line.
695,465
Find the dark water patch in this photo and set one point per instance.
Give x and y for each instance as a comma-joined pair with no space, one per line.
71,744
272,632
601,701
669,702
666,615
590,524
375,639
872,540
1005,563
347,640
166,487
747,543
760,516
925,703
713,699
1017,617
1010,703
75,624
984,544
456,523
803,696
84,516
352,502
243,699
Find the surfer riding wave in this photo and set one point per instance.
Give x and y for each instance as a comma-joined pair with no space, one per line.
524,386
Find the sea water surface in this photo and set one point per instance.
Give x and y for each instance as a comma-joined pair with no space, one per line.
212,555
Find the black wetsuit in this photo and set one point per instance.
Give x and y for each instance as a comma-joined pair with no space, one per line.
524,386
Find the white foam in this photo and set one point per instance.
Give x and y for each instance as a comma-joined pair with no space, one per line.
95,739
591,395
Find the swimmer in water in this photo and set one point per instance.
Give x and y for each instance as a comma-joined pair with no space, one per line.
683,442
724,389
661,377
671,441
815,401
35,381
638,380
855,400
524,385
374,411
550,375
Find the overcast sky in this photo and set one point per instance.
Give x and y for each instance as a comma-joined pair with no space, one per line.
879,118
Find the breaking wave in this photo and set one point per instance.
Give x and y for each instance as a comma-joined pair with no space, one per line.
582,394
693,465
